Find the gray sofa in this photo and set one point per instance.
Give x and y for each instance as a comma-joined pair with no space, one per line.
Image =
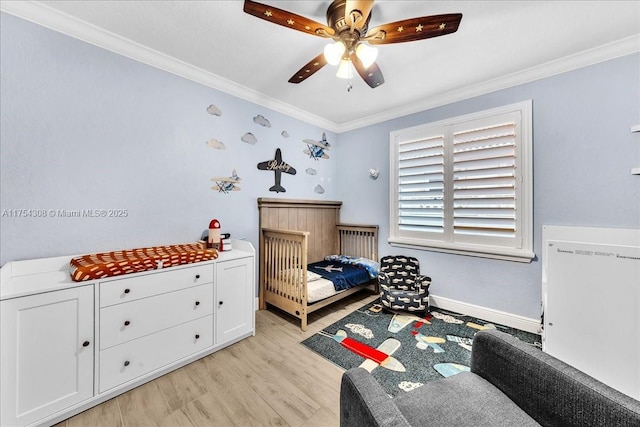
510,384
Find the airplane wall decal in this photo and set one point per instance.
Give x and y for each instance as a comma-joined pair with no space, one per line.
278,166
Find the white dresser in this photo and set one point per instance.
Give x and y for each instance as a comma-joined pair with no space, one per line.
66,346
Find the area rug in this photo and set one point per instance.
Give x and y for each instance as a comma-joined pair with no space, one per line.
404,351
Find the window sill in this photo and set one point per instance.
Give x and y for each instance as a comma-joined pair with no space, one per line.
504,254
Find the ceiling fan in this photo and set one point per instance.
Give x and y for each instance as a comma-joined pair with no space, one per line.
348,27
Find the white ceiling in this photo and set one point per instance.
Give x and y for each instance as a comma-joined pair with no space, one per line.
499,44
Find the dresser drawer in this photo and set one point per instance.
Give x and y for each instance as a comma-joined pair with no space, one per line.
125,322
130,360
159,282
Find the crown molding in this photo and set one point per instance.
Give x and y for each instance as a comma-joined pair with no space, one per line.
585,58
53,19
61,22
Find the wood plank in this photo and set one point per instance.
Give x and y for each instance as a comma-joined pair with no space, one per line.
244,383
144,405
106,414
268,202
205,411
238,400
184,386
281,393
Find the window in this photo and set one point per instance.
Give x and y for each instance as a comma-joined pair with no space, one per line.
464,185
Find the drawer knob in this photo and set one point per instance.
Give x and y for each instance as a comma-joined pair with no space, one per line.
197,302
197,336
197,276
126,363
126,291
219,302
127,323
85,344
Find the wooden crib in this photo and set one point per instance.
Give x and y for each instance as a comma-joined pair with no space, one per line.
294,233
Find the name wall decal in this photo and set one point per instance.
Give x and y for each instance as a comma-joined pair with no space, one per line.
278,166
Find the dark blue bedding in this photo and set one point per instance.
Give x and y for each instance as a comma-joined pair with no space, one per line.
343,276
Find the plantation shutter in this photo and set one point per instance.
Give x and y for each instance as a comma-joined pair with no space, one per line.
485,182
421,185
464,185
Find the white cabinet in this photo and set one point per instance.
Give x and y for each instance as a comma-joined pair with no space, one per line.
234,314
46,353
151,321
146,324
125,322
135,358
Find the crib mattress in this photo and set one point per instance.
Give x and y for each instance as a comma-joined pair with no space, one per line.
320,289
108,264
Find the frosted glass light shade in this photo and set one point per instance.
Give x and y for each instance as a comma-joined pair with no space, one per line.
366,54
345,69
333,52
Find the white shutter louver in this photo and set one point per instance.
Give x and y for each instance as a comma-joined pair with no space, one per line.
421,185
464,185
484,181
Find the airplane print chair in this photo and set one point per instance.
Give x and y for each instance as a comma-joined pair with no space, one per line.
401,285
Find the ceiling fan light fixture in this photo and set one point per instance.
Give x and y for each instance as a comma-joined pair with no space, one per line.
333,52
345,70
366,54
351,38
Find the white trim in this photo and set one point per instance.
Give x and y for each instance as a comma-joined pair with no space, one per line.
61,22
499,317
463,249
520,246
585,58
53,19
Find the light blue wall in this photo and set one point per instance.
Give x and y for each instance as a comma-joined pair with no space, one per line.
84,128
583,154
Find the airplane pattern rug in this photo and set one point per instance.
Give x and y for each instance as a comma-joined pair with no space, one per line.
403,351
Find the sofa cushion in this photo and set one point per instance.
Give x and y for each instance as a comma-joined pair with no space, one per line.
553,392
465,399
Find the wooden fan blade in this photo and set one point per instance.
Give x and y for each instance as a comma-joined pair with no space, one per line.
372,75
287,19
309,69
362,6
413,29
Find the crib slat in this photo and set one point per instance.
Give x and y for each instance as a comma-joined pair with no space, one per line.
285,254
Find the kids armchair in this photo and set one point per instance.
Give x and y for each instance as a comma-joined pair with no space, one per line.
401,285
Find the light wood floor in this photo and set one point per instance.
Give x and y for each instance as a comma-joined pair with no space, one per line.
268,379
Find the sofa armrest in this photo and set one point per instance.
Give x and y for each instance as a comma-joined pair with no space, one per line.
549,390
364,403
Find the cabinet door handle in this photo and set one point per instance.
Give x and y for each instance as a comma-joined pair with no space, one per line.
86,344
219,302
126,363
197,336
126,291
197,276
197,302
127,323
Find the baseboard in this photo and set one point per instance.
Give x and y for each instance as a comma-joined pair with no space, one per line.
489,314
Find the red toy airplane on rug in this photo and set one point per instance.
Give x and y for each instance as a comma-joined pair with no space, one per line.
375,357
